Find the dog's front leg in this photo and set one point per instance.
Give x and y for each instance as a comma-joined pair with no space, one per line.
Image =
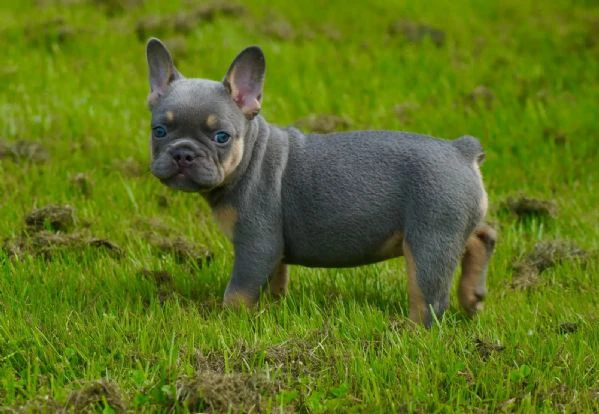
254,263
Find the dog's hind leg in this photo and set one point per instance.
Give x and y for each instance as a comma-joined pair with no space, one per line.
279,280
479,248
430,262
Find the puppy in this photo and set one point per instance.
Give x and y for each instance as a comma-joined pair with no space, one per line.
332,200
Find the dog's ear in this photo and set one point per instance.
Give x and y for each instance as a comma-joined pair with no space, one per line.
161,68
244,80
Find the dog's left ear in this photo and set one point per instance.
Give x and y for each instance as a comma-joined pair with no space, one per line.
244,80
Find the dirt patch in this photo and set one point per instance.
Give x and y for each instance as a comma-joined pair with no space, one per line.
177,45
39,405
417,33
567,327
211,391
130,167
184,22
51,217
324,123
181,249
115,7
332,33
160,277
46,244
149,225
403,111
96,396
557,136
24,151
47,232
486,348
211,361
82,183
481,96
162,201
278,28
164,240
524,207
56,30
544,255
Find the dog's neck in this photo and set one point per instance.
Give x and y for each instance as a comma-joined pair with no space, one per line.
258,136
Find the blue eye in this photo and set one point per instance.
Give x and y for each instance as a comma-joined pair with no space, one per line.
159,131
221,137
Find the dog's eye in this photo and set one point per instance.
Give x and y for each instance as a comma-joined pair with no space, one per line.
159,131
221,137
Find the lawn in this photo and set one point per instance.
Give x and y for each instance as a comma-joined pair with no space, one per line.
110,300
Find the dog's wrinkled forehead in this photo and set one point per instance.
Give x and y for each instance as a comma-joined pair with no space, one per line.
188,99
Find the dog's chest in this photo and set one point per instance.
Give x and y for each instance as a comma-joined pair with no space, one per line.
226,219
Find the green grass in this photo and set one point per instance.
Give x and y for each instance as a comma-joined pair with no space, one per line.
341,340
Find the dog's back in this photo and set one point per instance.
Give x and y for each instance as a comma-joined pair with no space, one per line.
345,195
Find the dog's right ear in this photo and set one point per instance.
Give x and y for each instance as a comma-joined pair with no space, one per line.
161,68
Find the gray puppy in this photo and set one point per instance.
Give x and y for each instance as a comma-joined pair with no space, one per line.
334,200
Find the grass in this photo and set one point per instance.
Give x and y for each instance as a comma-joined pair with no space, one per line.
84,328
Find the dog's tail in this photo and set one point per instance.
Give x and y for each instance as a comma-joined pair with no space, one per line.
470,148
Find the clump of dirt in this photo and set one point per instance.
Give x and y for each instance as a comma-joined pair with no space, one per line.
180,248
46,244
39,405
82,183
162,201
160,277
183,22
24,151
323,123
332,33
152,225
481,95
211,361
114,7
177,45
415,32
278,28
486,348
567,327
545,254
163,239
296,356
47,231
51,217
96,396
557,136
210,391
130,167
523,207
163,281
56,30
404,111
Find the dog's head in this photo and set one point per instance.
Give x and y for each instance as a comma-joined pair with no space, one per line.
199,126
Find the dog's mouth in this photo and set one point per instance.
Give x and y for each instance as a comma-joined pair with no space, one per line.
181,181
195,177
187,179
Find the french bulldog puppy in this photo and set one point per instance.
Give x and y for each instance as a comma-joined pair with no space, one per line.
332,200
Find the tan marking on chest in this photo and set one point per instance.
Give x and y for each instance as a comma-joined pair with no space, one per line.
484,201
234,157
391,247
226,218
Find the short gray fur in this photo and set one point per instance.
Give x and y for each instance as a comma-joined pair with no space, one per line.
329,200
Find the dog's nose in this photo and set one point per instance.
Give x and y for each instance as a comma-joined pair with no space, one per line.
183,156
